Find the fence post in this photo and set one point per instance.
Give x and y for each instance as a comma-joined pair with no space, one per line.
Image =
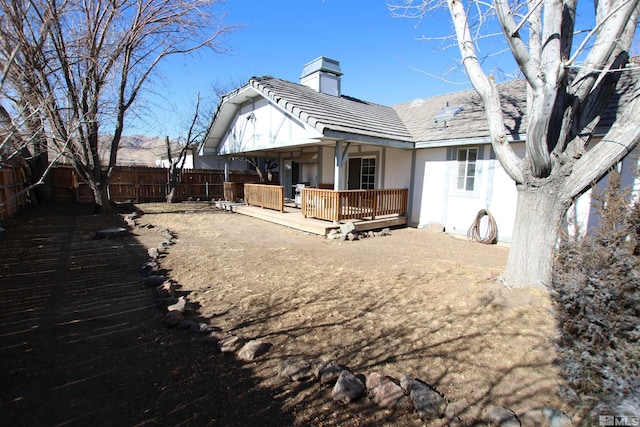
374,207
136,187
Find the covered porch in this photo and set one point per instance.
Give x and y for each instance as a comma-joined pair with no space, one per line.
321,210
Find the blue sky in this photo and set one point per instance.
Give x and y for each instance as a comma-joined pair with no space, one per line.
375,50
379,56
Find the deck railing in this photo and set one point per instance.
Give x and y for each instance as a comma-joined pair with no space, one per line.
265,196
342,205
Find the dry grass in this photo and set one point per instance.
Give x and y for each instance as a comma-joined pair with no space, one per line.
412,303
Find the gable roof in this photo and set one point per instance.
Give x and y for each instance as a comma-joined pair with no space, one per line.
413,124
333,115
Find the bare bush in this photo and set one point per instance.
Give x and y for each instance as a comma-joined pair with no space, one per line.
596,291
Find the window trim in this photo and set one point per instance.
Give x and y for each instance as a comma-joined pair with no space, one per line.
363,158
463,173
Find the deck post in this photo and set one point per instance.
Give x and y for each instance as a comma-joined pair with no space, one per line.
341,156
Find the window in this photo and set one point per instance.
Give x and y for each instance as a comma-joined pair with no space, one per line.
467,168
368,174
362,173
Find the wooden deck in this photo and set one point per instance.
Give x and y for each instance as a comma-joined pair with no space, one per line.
293,218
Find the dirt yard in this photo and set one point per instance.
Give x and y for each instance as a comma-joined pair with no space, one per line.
413,303
83,343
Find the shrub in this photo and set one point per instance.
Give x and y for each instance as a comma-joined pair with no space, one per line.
596,294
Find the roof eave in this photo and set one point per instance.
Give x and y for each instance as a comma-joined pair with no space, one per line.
478,140
373,140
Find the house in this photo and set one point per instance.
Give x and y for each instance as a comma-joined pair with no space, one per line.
438,149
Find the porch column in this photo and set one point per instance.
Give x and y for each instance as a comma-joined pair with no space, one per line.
341,156
226,169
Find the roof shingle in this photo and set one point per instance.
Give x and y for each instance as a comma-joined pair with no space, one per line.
328,112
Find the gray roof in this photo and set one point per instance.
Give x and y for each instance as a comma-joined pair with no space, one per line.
414,122
419,115
328,113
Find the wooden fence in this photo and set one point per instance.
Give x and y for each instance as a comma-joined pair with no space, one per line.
135,184
12,182
353,204
265,196
141,184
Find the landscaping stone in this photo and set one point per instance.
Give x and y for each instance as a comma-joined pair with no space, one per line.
173,318
347,228
231,344
180,305
201,328
385,232
532,418
348,388
165,290
163,303
503,417
557,418
385,393
185,324
295,370
153,253
154,281
252,350
148,268
427,402
326,372
352,236
435,227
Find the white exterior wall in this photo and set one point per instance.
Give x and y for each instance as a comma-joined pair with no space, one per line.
437,200
327,161
430,188
397,168
583,210
504,197
463,206
261,126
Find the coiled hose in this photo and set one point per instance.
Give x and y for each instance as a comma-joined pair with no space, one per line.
491,236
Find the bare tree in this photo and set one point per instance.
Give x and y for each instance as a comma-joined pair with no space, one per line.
263,166
22,141
569,83
85,72
190,143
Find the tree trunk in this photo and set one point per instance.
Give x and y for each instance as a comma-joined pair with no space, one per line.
101,202
538,221
173,184
171,197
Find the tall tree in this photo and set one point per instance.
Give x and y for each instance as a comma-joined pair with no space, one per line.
190,143
22,141
84,73
569,83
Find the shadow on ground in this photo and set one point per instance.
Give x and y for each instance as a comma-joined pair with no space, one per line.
82,342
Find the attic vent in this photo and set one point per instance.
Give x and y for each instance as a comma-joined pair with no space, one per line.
417,102
447,113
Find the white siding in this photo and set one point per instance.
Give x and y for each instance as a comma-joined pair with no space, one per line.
328,162
436,198
584,211
261,126
397,168
504,197
430,187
